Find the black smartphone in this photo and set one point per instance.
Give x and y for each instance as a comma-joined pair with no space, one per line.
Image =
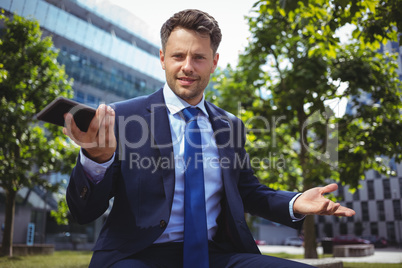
54,113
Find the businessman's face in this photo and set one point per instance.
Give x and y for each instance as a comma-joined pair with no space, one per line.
188,61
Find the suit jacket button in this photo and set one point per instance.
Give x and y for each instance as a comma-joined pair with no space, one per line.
162,224
83,193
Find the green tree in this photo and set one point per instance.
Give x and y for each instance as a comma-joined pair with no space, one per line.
293,67
30,79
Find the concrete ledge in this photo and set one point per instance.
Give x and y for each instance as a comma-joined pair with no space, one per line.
353,250
322,263
38,249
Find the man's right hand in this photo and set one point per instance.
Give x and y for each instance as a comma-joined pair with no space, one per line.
99,141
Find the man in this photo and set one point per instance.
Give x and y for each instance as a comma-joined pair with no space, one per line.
148,152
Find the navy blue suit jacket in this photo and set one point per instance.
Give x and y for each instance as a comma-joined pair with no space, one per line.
143,192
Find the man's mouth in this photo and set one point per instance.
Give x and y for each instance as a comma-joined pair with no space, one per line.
186,80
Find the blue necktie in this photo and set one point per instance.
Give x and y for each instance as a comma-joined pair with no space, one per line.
195,251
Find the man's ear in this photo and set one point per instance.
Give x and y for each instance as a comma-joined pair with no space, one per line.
162,58
215,62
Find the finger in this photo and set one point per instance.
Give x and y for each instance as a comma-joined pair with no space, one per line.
333,208
110,130
96,121
324,207
102,127
106,130
344,212
329,188
71,129
81,138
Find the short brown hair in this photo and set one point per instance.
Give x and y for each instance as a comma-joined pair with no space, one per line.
196,20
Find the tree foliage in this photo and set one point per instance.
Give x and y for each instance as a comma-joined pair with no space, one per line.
294,67
30,79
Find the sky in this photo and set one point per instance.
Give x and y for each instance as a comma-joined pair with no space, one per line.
229,14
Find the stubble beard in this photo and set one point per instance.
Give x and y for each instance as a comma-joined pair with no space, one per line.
190,93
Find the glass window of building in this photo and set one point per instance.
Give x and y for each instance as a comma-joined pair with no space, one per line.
396,203
92,101
79,96
400,187
340,191
95,63
328,230
321,219
370,190
349,205
343,228
358,228
381,210
40,12
90,37
387,188
72,28
80,35
17,6
356,195
365,212
62,22
374,228
52,15
29,7
391,231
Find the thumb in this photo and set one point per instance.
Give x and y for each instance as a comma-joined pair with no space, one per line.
329,188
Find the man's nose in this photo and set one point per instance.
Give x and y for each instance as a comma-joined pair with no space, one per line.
188,67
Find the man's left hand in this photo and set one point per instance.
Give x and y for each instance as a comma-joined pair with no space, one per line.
313,202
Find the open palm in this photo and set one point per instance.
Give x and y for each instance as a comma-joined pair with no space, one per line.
313,202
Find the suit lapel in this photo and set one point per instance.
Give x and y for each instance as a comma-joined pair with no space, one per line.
223,132
226,135
161,138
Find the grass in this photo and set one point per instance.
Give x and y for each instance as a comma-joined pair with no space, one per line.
80,259
60,259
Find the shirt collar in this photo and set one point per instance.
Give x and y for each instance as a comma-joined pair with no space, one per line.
175,104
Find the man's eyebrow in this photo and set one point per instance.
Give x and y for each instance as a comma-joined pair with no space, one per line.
177,52
199,54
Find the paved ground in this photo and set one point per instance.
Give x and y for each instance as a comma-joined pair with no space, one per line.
386,255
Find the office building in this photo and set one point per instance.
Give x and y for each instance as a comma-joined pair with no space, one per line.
378,209
102,47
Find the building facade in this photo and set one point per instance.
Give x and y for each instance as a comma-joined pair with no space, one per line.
110,59
378,209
